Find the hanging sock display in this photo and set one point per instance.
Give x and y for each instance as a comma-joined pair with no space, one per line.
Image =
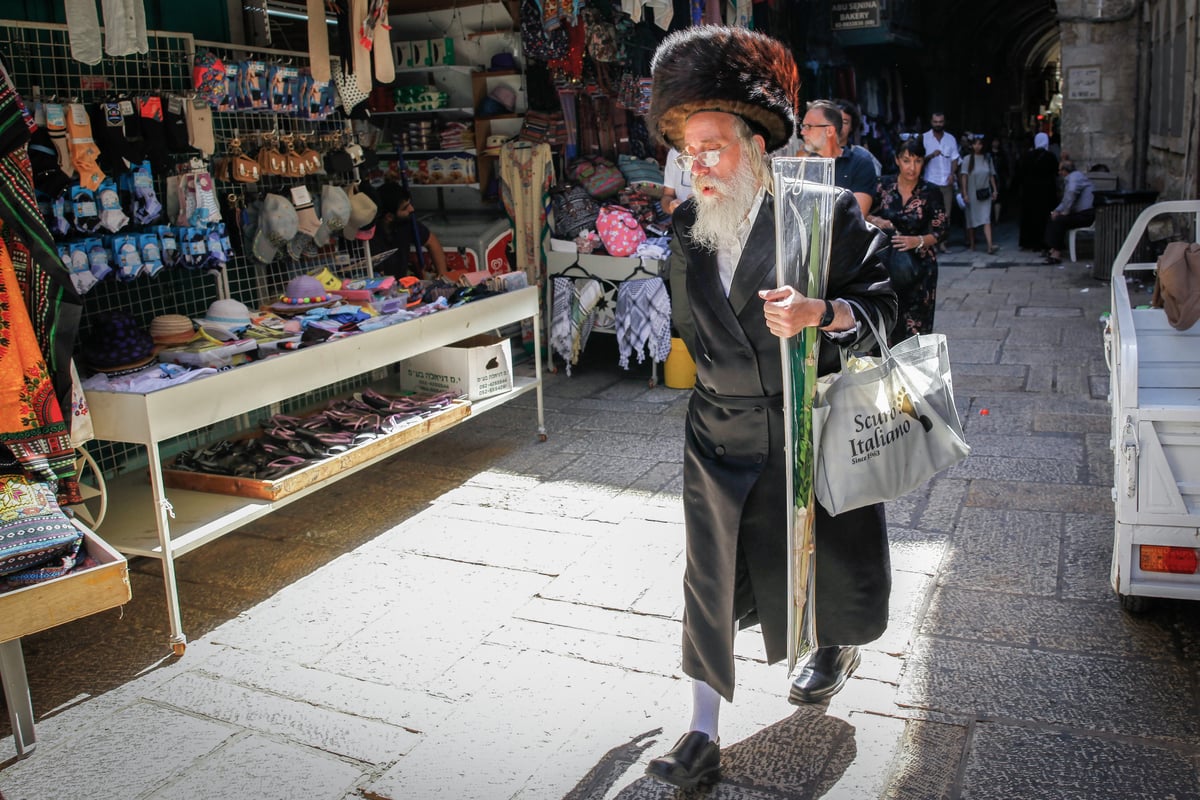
82,147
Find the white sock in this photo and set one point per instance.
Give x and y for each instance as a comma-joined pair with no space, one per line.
706,707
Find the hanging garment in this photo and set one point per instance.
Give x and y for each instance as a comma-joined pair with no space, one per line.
318,41
526,175
586,296
560,319
125,27
48,295
643,320
83,28
31,421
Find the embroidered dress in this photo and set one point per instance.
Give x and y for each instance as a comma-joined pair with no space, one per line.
31,422
526,175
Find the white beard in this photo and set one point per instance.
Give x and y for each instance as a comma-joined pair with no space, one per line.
718,217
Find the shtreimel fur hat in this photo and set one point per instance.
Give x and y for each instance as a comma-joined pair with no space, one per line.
716,68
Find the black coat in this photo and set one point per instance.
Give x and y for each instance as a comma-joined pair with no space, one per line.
735,498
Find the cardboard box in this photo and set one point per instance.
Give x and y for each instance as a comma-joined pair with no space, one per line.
478,367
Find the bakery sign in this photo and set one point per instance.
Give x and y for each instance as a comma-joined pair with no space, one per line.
849,15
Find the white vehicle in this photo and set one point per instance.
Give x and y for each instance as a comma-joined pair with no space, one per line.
1155,398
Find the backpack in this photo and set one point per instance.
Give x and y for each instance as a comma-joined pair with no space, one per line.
598,175
600,36
574,211
619,231
536,41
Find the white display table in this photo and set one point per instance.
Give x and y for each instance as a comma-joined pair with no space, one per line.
143,521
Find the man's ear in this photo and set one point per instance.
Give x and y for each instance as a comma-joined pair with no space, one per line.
762,143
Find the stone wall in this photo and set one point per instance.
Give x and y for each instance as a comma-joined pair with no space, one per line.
1099,75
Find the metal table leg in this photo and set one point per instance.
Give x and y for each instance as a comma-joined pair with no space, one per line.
16,696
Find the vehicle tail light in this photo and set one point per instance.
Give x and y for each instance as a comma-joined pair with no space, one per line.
1178,560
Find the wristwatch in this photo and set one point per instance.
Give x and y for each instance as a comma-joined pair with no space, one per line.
827,317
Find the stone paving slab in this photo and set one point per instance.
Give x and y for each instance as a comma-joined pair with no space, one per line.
1130,697
1007,762
254,766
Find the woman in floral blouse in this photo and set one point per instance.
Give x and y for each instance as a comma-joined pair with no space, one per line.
911,211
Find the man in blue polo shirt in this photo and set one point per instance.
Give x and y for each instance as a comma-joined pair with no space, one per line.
852,169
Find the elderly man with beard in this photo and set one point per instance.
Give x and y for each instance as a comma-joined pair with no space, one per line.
725,98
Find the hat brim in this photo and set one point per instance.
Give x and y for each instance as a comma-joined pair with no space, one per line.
123,369
183,337
222,330
289,309
263,248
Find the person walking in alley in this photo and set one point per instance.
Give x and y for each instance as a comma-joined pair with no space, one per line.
725,98
1035,174
821,132
979,190
1076,210
941,163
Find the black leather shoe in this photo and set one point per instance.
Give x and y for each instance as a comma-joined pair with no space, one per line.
824,675
695,759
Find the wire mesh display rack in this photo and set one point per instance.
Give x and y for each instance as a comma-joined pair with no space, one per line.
39,61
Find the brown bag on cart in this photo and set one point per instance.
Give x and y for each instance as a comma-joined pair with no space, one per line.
1177,288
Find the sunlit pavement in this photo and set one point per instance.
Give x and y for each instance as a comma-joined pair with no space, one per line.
487,616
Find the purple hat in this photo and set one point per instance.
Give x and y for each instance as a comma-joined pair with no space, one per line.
502,62
302,293
117,343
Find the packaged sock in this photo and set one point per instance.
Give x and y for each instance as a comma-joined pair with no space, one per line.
112,218
193,247
175,124
81,275
207,210
56,126
129,257
99,258
82,146
151,252
84,210
108,131
146,207
218,257
170,244
154,132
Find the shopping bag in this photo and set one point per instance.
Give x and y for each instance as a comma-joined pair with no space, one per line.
885,425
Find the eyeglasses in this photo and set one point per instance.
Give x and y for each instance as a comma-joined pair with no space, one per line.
805,126
707,158
904,137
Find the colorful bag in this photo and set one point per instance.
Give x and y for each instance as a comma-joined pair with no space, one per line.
574,211
598,175
619,231
536,41
33,529
601,36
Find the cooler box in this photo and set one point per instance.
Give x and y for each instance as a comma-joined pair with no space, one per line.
473,241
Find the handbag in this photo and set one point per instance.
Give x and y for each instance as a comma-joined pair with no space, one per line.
983,193
885,425
619,231
33,529
905,269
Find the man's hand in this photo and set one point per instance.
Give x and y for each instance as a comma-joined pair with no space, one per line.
788,312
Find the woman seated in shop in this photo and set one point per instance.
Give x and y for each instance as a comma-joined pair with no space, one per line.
396,231
910,209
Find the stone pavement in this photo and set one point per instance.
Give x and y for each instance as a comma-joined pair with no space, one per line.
486,616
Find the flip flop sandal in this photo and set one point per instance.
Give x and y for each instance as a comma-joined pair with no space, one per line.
281,466
302,447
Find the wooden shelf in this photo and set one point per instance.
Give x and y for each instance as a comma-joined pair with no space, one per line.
462,69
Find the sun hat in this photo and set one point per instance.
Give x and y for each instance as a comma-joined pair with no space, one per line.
169,329
277,225
335,213
117,343
302,293
360,225
225,319
494,143
506,96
